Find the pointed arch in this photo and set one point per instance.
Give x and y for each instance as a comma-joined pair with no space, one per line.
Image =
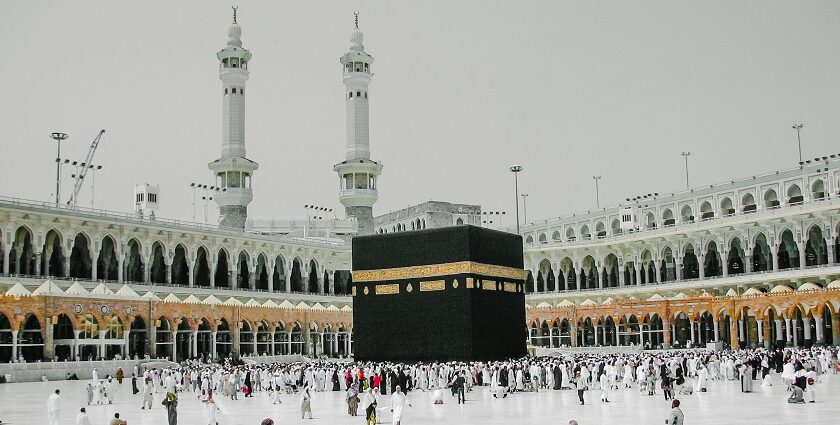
221,277
81,264
297,275
157,273
748,204
134,262
202,267
278,275
312,277
180,266
53,254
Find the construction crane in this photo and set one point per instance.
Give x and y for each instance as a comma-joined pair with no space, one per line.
74,198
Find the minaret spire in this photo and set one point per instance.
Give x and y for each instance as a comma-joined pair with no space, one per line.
358,174
233,170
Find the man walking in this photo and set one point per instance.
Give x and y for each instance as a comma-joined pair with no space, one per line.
460,382
53,405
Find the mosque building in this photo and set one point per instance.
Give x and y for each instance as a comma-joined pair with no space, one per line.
747,262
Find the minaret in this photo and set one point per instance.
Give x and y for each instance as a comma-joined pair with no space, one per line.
233,170
357,173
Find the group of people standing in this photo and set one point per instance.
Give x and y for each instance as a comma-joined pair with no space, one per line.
382,389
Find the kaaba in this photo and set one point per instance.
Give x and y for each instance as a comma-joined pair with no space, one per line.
454,293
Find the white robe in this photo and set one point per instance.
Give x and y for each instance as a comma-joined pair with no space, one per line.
82,419
53,404
398,403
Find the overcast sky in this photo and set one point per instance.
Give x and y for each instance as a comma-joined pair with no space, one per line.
461,91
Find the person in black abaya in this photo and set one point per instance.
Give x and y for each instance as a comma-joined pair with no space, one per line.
335,381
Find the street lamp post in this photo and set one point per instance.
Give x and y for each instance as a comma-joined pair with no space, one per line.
515,170
686,155
525,207
798,127
58,137
597,195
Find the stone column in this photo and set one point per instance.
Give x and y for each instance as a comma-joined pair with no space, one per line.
741,330
615,336
780,336
733,334
212,268
152,339
213,345
806,330
102,344
49,346
830,245
658,266
678,268
15,346
622,268
147,273
235,340
701,265
691,331
94,273
175,346
76,344
331,273
271,341
252,277
801,246
255,344
724,259
666,334
789,336
6,251
574,335
557,276
289,343
120,268
289,282
775,249
638,271
270,272
717,330
595,329
759,324
819,330
600,277
192,275
194,344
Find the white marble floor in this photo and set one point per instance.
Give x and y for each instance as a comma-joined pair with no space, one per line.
25,403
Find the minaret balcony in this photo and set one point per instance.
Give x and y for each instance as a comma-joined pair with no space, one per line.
358,197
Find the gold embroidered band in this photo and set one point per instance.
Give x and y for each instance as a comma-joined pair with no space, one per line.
420,272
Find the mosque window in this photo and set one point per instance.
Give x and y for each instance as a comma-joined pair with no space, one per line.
226,91
365,95
244,65
241,91
367,68
351,95
225,63
358,94
233,90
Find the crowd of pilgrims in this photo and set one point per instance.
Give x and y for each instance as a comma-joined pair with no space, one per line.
365,385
